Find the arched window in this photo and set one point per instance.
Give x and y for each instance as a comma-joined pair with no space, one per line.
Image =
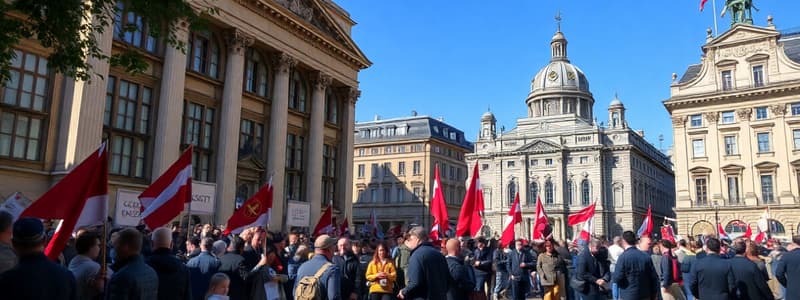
533,193
203,56
569,191
776,228
255,73
297,92
736,228
585,192
512,192
133,29
331,107
548,192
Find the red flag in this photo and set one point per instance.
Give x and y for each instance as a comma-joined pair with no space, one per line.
647,225
254,212
441,222
721,231
667,233
760,237
540,222
748,233
513,218
469,220
325,223
345,227
587,229
79,199
395,231
702,4
166,197
581,216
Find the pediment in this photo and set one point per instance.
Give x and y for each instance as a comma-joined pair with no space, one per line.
742,33
767,165
700,170
251,163
540,146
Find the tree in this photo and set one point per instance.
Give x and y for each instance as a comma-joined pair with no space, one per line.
71,29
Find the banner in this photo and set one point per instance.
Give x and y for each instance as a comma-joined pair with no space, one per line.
298,214
128,208
203,197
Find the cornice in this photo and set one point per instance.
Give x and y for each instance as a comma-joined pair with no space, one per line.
720,96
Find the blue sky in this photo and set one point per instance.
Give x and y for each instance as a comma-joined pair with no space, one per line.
456,58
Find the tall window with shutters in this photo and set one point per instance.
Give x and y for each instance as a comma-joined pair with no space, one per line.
127,126
198,130
24,107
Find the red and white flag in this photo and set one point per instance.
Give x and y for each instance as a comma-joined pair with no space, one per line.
167,197
469,219
587,229
255,212
703,4
760,237
582,215
721,232
763,222
325,223
513,218
540,222
79,199
667,233
748,233
438,209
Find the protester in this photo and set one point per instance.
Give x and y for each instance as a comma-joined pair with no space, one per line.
425,268
192,248
752,253
348,264
711,276
614,251
254,248
591,274
520,262
773,262
8,259
462,283
35,276
634,274
300,257
173,275
364,258
482,265
90,281
788,271
330,278
202,267
232,264
218,248
671,278
381,274
750,280
264,280
550,267
401,261
133,279
218,287
500,259
686,257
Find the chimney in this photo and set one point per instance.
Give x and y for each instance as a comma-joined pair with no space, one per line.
377,118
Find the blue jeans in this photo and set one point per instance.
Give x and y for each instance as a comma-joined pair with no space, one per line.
500,281
480,282
519,288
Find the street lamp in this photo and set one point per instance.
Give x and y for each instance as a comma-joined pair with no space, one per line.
716,217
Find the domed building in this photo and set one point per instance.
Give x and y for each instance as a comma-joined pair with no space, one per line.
560,153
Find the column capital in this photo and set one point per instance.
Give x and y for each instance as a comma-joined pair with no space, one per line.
778,109
678,121
284,63
352,94
322,81
238,41
744,113
182,25
712,117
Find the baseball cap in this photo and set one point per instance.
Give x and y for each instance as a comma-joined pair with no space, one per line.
324,242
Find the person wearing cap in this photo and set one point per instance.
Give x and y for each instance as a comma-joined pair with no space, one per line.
35,276
329,281
635,274
8,259
427,269
133,279
482,265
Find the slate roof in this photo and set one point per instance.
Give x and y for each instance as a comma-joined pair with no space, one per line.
420,127
691,73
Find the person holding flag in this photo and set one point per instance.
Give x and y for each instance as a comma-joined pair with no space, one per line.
470,218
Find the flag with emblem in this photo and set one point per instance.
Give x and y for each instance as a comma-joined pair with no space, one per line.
255,212
13,205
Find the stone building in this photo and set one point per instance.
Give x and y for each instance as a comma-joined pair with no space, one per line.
394,169
560,153
268,90
736,123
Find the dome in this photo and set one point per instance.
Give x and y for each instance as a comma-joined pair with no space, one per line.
615,101
488,116
560,74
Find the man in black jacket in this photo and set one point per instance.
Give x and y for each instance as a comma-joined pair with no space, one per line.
462,282
711,276
788,271
634,273
134,280
232,264
592,271
500,259
425,269
173,276
482,264
348,265
750,281
520,263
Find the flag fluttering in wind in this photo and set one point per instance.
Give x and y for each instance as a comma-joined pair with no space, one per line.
587,229
377,231
760,237
540,223
13,206
582,215
344,228
469,219
748,233
513,218
647,225
441,223
167,197
703,4
254,212
325,223
722,233
764,221
667,233
79,199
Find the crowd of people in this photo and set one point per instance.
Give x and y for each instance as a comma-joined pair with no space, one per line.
168,263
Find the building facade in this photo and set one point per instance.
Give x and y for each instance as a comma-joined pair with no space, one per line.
560,154
394,169
736,124
267,90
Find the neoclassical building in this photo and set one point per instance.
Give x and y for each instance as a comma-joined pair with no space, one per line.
267,90
736,123
559,153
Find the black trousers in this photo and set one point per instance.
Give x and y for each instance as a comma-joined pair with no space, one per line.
378,296
520,287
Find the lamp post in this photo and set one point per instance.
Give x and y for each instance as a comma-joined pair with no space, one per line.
424,217
716,217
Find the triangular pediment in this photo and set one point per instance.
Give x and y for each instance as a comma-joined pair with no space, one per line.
742,33
540,146
251,163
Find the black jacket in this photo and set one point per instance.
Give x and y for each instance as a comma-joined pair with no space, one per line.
515,258
712,278
635,275
750,281
36,277
251,257
134,280
484,258
788,273
232,264
173,276
500,259
348,264
589,269
461,283
426,268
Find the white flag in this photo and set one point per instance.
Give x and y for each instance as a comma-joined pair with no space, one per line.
13,205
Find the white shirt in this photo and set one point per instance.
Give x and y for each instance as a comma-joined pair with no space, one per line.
614,251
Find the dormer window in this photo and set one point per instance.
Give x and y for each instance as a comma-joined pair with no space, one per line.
727,80
758,76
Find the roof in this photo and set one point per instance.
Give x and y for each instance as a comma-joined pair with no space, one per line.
418,127
691,73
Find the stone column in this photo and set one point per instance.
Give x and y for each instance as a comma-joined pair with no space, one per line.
276,158
749,188
316,138
782,145
167,140
716,182
231,112
346,152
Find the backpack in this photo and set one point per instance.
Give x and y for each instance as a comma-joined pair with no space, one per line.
308,288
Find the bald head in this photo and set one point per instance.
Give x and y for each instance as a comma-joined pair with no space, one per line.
453,247
162,238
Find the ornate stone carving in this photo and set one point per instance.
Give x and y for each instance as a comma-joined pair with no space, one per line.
353,94
743,50
299,7
322,81
678,121
712,117
778,109
238,41
744,113
284,63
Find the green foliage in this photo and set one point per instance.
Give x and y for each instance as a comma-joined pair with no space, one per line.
71,29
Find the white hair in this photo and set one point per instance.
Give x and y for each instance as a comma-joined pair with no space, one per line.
219,248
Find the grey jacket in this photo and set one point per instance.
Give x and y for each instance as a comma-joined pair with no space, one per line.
8,259
85,271
133,280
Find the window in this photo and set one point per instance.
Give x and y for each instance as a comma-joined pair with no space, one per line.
401,194
510,164
484,167
373,195
374,170
298,94
512,192
727,117
387,195
375,151
796,137
361,170
761,113
197,130
132,29
701,191
767,195
251,139
452,173
795,109
328,174
584,159
126,123
548,162
255,73
548,192
534,162
585,192
569,191
203,53
362,152
533,193
763,142
388,149
416,167
387,169
417,193
730,145
614,119
727,80
331,107
733,189
23,113
294,167
401,168
696,120
758,76
699,148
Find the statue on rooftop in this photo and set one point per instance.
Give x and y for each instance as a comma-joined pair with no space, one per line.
741,11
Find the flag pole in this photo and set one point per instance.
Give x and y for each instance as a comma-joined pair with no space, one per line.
714,14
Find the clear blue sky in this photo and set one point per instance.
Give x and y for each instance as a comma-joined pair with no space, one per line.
456,58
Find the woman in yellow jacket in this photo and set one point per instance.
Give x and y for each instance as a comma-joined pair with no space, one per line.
381,274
